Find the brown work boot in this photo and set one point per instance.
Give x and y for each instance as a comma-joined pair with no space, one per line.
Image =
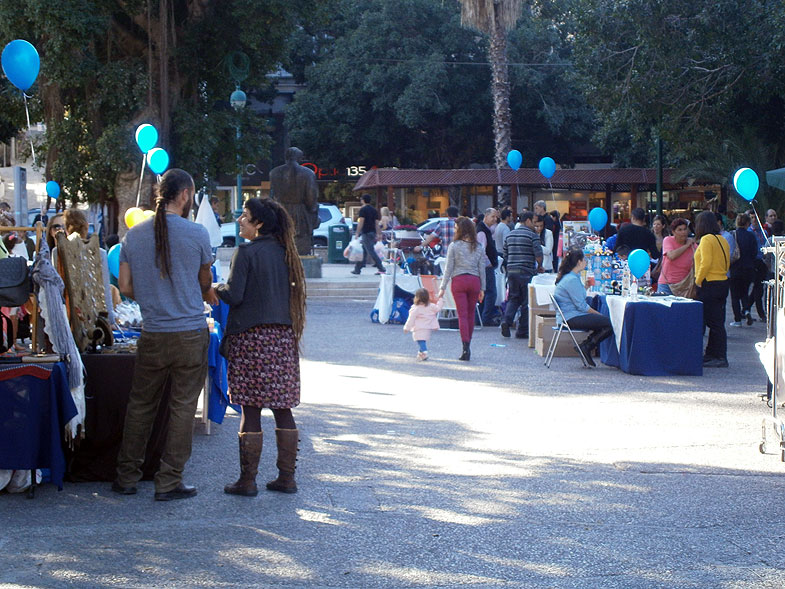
250,451
287,456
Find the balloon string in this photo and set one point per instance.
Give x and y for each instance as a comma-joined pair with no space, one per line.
141,176
29,130
766,237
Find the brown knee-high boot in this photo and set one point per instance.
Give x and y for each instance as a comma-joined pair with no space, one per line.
287,455
250,451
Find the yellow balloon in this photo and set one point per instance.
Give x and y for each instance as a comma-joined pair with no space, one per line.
133,216
148,214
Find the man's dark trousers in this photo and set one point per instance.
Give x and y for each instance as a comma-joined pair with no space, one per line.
518,286
489,302
368,240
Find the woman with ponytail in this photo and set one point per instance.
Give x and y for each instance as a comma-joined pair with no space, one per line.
265,292
570,294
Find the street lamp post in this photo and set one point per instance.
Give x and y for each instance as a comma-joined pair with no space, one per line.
237,100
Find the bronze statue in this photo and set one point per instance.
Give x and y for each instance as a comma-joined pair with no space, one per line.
294,186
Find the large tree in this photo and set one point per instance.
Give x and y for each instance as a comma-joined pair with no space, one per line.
107,66
496,18
394,85
693,73
404,84
550,115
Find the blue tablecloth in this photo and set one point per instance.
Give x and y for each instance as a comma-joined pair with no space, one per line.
35,405
219,386
656,340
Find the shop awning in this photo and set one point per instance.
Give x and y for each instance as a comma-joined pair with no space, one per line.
615,179
776,178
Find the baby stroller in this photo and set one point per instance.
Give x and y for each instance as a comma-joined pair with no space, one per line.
424,261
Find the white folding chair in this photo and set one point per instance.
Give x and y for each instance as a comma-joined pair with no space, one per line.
557,329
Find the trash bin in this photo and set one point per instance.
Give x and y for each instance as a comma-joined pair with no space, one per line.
337,239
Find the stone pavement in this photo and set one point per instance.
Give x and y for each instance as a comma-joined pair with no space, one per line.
495,473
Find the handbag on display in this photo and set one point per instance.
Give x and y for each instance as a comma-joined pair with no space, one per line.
15,284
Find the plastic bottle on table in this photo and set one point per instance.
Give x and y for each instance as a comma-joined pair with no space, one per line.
625,282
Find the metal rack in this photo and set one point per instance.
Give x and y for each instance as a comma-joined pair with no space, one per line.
775,305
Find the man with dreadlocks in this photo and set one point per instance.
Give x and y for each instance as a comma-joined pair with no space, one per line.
165,267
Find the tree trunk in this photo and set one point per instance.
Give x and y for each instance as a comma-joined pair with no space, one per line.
126,186
500,92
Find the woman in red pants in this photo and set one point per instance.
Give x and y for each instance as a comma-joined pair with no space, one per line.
466,268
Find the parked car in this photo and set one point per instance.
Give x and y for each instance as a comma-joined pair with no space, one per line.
430,225
228,234
328,215
352,225
31,214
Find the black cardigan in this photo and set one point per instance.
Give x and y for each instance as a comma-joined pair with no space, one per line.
257,290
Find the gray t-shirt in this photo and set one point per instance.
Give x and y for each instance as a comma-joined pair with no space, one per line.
168,305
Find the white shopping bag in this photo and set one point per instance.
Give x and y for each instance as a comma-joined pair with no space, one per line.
354,251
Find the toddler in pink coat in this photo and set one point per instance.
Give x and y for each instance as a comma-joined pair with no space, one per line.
423,319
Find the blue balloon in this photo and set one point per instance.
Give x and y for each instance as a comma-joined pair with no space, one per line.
597,218
158,160
21,63
514,158
638,262
746,183
146,137
113,259
52,189
547,167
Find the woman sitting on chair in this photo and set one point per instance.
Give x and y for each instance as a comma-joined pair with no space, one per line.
571,298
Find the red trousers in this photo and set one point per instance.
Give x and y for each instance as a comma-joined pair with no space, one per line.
465,290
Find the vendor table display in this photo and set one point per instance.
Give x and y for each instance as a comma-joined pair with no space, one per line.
653,336
107,388
35,406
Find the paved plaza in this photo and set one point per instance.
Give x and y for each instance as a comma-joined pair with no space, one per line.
495,473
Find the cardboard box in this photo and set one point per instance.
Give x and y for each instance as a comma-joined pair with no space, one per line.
534,311
534,316
542,327
565,347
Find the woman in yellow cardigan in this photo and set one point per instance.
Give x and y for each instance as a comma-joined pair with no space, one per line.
712,259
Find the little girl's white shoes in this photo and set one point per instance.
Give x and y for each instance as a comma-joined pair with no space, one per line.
422,356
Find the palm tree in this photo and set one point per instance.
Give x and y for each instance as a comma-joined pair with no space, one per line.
495,18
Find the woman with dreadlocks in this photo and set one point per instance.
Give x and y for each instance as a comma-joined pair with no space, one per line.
265,292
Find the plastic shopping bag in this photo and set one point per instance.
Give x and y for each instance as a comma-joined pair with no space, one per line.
354,251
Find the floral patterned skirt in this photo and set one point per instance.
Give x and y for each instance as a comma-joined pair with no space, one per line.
264,367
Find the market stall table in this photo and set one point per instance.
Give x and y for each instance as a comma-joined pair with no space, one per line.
35,406
653,336
107,388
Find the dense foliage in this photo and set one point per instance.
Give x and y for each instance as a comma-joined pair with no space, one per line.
697,74
403,84
107,66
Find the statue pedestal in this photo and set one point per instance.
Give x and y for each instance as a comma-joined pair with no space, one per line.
312,266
